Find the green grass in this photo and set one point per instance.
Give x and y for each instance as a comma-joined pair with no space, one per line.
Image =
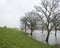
11,38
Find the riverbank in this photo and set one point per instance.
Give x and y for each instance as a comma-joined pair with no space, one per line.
12,38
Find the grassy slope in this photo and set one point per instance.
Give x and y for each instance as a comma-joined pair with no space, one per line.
11,38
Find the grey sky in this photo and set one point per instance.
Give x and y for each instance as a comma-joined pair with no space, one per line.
12,10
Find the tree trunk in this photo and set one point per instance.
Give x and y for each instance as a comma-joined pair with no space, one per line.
56,36
25,27
47,37
42,30
55,31
31,32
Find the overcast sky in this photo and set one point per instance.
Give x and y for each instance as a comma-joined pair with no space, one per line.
12,10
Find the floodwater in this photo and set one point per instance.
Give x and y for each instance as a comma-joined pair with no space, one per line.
37,34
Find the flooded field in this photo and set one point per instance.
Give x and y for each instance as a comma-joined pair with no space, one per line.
37,34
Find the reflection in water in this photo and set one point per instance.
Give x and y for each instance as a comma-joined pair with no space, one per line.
37,34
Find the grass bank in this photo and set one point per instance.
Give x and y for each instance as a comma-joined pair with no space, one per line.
12,38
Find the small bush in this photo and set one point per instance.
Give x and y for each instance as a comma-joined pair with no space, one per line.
5,26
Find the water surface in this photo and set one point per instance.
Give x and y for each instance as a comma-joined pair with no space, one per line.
37,34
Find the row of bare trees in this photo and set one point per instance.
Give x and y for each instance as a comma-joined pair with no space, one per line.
30,21
46,16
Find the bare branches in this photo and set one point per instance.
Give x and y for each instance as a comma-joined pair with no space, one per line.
48,14
50,11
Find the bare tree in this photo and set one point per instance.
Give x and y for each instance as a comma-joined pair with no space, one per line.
32,19
24,22
48,9
56,23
